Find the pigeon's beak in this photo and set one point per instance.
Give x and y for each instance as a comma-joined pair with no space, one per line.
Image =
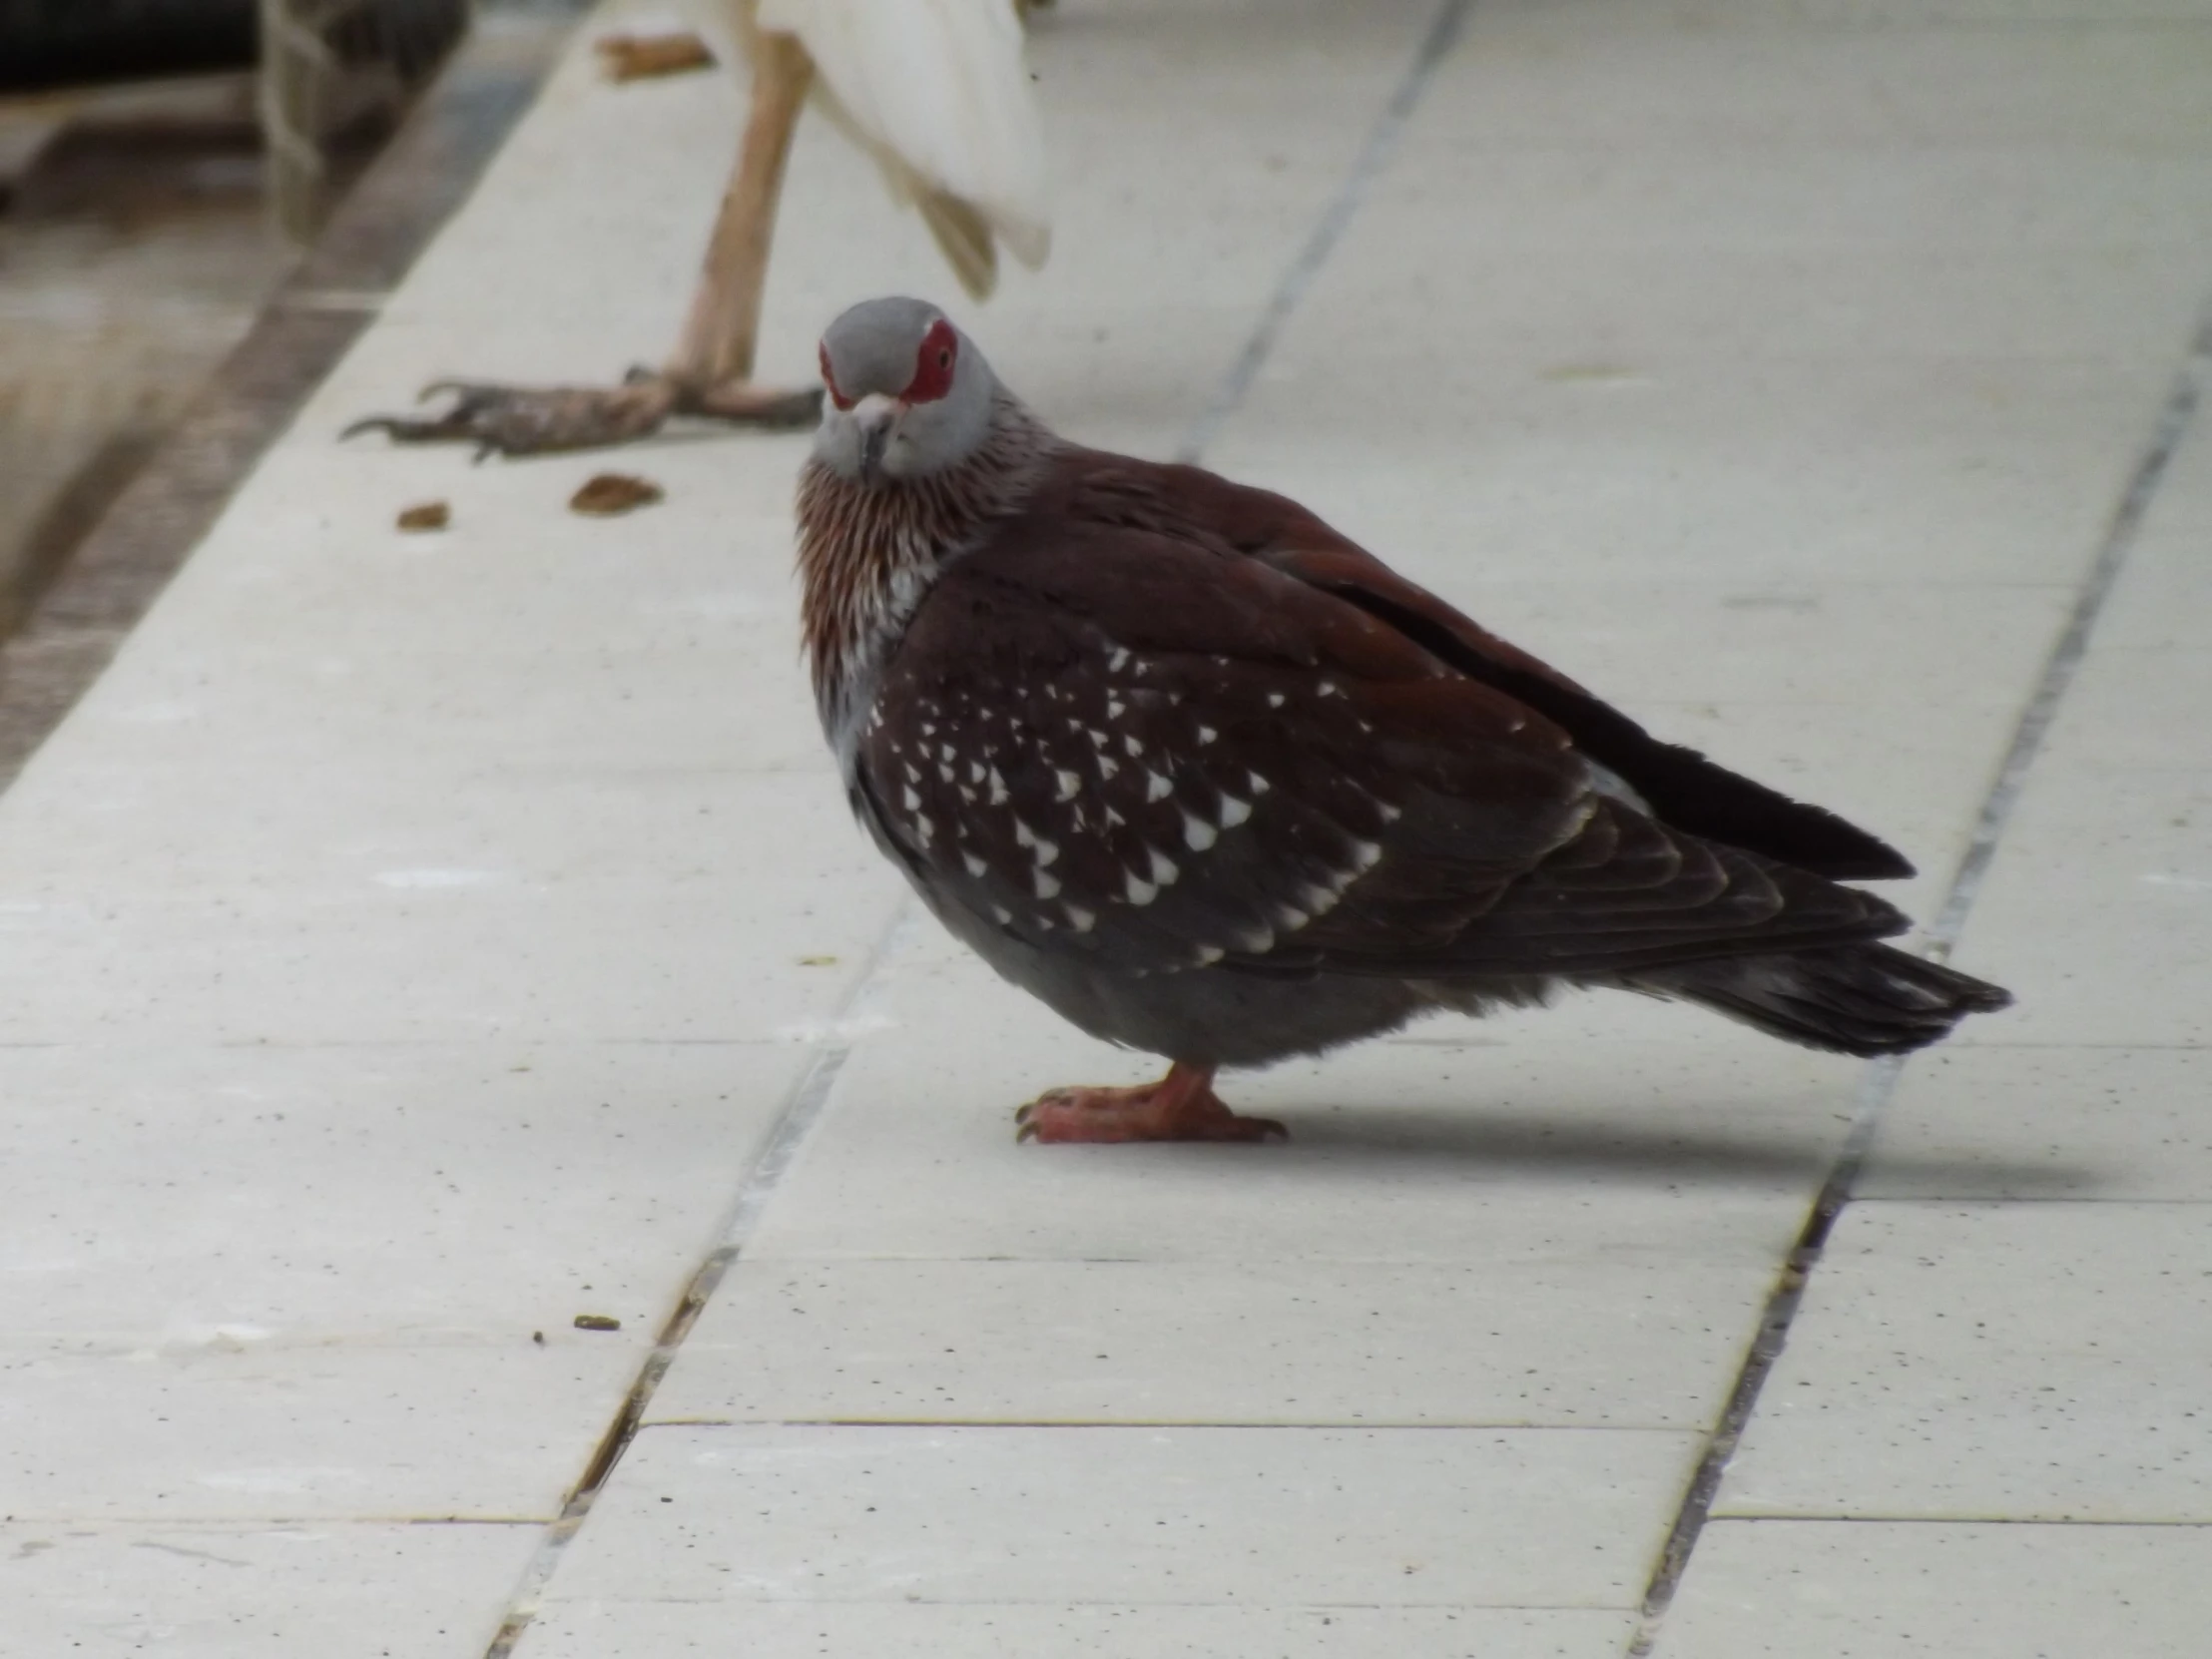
872,419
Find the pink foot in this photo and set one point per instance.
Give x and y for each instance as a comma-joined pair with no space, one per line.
1180,1107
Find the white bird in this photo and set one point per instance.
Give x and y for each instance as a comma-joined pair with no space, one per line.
935,91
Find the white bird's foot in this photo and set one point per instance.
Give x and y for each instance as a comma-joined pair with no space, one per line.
545,420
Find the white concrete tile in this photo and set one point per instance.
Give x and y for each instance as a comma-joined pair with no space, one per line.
341,1280
524,634
322,1198
1891,14
1774,257
2023,1361
1809,645
1752,78
539,909
445,1425
921,1630
1590,460
1752,299
1982,1121
1605,1335
1376,1517
2095,905
2137,709
2155,612
1862,1590
255,1592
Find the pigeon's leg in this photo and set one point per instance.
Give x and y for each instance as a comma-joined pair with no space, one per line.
710,374
1182,1106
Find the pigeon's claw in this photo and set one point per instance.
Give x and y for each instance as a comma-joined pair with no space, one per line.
1180,1107
547,420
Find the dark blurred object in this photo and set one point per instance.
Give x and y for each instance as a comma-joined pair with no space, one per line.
56,43
337,75
60,43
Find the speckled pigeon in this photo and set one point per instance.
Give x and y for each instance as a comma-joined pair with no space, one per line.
1213,781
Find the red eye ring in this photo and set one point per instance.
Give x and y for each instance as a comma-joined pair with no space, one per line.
828,380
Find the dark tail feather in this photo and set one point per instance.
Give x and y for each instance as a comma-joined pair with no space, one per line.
1861,999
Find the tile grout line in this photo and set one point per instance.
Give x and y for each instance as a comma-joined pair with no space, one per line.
1375,155
1878,1082
2065,655
802,1110
1968,1519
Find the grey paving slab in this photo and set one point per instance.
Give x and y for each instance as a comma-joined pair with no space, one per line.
521,636
1764,305
1870,1590
2100,893
252,1591
302,1198
623,1629
1374,1517
2093,905
222,1423
536,921
1799,648
1556,1336
1749,78
1588,458
2024,1361
2042,1121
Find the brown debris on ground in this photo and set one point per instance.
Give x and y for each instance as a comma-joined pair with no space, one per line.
608,493
647,57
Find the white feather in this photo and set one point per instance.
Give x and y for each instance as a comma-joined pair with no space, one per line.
937,92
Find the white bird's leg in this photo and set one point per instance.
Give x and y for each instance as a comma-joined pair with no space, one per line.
708,375
723,330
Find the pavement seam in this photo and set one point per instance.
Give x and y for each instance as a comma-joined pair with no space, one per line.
802,1110
1375,156
1878,1082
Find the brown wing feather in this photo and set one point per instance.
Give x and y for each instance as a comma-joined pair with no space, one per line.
1161,753
1684,789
